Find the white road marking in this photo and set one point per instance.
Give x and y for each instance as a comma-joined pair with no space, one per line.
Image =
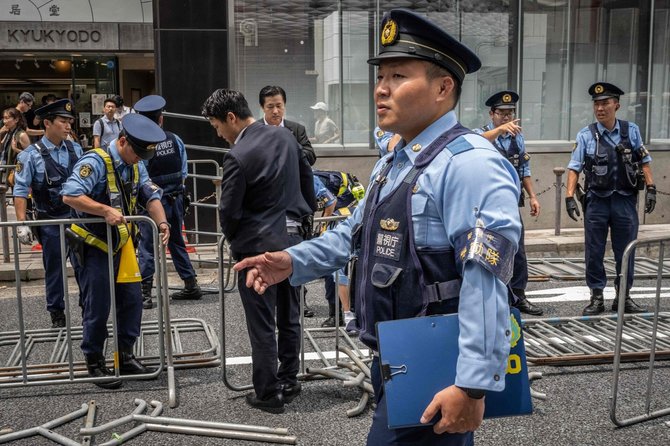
582,293
241,360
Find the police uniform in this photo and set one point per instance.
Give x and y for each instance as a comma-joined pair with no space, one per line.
44,167
455,244
513,148
348,191
168,170
610,160
106,178
382,140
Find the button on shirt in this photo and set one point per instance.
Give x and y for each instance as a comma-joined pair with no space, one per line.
453,193
33,164
96,182
504,141
585,144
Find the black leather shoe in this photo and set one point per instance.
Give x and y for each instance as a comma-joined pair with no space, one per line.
525,306
308,312
191,291
629,306
289,392
58,319
131,366
597,304
95,364
274,404
147,303
330,322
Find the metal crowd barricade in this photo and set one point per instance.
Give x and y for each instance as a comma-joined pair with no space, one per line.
560,268
25,374
657,330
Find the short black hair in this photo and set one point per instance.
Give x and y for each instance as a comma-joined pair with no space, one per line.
224,101
270,90
112,100
118,100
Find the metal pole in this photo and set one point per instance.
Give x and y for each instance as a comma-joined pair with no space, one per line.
3,217
558,171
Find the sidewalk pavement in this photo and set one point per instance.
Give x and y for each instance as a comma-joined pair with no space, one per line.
539,243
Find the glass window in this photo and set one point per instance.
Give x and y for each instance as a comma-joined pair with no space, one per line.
660,78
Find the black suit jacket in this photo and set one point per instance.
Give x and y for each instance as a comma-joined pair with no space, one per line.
266,178
300,134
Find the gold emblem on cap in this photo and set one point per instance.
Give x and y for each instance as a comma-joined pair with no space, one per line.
389,224
68,106
416,147
151,147
85,170
389,32
507,98
599,89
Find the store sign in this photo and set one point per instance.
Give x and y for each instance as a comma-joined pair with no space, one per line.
58,36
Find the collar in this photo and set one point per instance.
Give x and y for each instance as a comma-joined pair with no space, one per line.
239,136
48,144
603,130
281,124
104,117
427,136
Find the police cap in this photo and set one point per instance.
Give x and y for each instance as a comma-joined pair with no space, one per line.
408,35
503,100
143,134
151,106
61,107
603,90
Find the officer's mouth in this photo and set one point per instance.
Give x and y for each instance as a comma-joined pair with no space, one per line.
381,109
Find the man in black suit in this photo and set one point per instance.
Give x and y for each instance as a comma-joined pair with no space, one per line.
272,100
266,192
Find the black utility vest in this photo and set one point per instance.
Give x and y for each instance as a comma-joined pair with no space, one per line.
607,170
393,279
165,167
46,194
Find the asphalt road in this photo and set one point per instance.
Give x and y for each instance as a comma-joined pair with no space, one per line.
576,411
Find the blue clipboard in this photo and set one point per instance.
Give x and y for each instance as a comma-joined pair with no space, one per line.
418,359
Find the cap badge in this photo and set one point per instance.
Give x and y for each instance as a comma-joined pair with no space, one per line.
416,147
389,224
85,170
507,98
389,32
68,106
151,147
599,89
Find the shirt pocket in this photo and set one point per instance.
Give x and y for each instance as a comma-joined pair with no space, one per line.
428,227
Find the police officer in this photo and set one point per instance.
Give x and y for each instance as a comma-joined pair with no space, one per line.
616,166
168,170
505,134
110,184
348,191
44,166
459,232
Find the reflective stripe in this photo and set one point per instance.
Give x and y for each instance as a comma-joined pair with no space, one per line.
343,185
115,202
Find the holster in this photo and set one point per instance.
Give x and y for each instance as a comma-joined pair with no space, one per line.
307,228
581,197
76,244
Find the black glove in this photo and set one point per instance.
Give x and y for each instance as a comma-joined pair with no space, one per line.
571,206
650,199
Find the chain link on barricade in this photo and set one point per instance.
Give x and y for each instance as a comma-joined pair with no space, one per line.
553,185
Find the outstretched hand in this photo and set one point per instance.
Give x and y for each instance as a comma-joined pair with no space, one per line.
266,269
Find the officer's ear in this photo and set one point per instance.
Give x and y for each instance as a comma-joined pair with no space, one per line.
617,106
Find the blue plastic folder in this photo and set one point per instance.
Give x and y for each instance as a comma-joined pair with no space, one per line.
418,359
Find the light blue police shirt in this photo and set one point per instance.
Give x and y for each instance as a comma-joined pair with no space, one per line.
32,170
504,141
322,193
382,139
96,182
585,144
453,193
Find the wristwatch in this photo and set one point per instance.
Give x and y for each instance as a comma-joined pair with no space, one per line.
475,394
